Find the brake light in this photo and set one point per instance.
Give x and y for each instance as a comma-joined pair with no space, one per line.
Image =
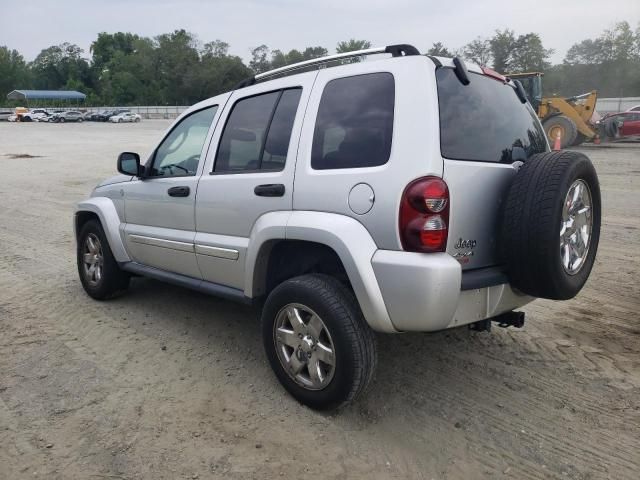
492,73
424,215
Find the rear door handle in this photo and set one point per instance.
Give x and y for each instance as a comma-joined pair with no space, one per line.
269,190
178,191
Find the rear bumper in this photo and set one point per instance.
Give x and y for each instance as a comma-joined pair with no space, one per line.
427,293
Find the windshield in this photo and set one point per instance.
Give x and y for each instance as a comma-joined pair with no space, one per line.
485,121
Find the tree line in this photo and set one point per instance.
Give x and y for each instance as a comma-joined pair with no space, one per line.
177,69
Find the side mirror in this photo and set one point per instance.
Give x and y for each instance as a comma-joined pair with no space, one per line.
129,164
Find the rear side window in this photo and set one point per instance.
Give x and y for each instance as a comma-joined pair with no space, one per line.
485,121
257,133
354,127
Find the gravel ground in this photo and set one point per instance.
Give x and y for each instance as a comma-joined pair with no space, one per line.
168,383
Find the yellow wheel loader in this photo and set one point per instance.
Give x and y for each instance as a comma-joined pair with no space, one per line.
571,118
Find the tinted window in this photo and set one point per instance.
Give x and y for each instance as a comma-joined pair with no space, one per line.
257,132
179,153
279,136
354,127
485,121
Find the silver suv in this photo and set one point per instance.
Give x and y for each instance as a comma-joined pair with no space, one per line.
406,194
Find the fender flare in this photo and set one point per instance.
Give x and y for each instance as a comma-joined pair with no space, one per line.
106,211
344,235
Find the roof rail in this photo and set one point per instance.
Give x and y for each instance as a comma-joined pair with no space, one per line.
395,50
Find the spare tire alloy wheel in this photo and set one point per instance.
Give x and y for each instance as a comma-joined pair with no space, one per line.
575,231
551,225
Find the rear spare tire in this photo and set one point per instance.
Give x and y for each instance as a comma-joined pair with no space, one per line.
563,126
551,225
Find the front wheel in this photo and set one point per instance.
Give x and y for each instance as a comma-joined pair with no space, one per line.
99,272
317,341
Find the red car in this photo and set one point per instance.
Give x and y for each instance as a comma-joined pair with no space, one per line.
628,123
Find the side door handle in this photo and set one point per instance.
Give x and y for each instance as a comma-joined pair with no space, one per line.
178,191
269,190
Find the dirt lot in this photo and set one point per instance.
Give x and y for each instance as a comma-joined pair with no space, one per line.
167,383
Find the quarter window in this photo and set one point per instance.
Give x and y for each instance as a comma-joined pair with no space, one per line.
354,127
258,132
179,153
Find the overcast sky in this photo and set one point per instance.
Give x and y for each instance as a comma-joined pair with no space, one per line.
31,25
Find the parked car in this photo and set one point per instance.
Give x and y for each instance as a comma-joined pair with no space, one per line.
95,116
107,114
5,114
407,194
634,109
621,125
125,117
36,115
67,116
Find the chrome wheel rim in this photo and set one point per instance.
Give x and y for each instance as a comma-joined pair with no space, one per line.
304,346
92,260
576,227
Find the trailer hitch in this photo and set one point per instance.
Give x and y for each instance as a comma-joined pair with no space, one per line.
508,319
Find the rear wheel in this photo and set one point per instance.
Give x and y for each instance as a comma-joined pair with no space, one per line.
61,120
99,272
317,341
563,126
551,225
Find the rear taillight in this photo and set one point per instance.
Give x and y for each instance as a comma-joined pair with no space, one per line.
424,215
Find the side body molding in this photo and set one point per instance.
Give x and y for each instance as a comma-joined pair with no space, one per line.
106,211
346,236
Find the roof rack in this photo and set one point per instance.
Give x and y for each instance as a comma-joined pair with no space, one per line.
395,50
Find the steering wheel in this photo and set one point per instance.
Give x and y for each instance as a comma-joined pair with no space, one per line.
181,138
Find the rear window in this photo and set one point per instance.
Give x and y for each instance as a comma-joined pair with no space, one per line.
485,121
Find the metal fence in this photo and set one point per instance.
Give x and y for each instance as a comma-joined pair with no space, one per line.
613,105
148,111
604,105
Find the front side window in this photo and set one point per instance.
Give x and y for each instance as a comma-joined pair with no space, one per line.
354,127
179,153
258,132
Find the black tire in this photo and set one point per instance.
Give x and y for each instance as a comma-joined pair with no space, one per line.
62,120
567,128
611,127
354,342
530,231
580,139
113,280
27,119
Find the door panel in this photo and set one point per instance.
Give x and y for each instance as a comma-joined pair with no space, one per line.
160,209
227,204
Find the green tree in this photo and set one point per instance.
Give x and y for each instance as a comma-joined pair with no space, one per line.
502,44
14,73
439,50
479,51
260,59
56,66
352,45
528,54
